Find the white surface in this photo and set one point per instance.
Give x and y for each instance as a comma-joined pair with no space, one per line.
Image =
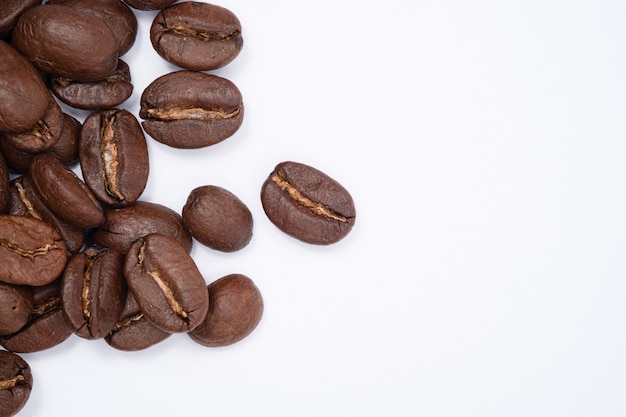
484,144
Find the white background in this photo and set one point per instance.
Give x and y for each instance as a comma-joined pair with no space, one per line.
484,143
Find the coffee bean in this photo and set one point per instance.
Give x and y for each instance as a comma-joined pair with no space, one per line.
307,204
66,41
93,291
235,310
16,383
149,4
217,218
5,186
196,36
64,193
114,157
125,225
19,111
9,13
191,109
166,283
16,303
32,251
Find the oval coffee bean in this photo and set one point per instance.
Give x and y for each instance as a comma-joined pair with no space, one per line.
166,283
68,42
64,193
18,111
217,218
16,303
16,383
114,157
93,291
307,204
235,310
149,4
32,251
196,36
191,109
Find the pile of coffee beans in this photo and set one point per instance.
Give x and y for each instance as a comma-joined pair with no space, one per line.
83,254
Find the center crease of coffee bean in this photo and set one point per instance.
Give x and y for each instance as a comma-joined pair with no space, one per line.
47,305
195,113
6,384
110,158
31,254
202,35
29,205
127,322
41,131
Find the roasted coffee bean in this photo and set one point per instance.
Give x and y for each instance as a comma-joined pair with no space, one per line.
66,41
26,202
32,251
20,111
10,11
64,193
235,310
93,291
125,225
191,109
114,157
307,204
96,95
166,283
217,218
196,36
5,186
46,327
16,383
133,331
149,4
16,303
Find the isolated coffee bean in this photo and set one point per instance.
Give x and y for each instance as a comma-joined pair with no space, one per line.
196,36
16,383
149,4
5,186
125,225
307,204
10,12
235,310
16,303
64,193
191,109
166,283
96,95
19,111
67,42
32,251
217,218
93,291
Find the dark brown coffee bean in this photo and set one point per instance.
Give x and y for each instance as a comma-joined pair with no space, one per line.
149,4
166,283
133,331
235,310
16,383
5,186
217,218
19,111
32,251
10,11
307,204
16,303
93,291
114,157
64,193
47,326
196,36
191,109
68,42
26,202
97,95
125,225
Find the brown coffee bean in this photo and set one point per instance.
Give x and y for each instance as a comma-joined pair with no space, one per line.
166,283
66,41
217,218
307,204
93,291
64,193
196,36
16,383
149,4
125,225
32,251
191,109
16,303
235,310
5,186
133,331
114,157
96,95
19,112
10,11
